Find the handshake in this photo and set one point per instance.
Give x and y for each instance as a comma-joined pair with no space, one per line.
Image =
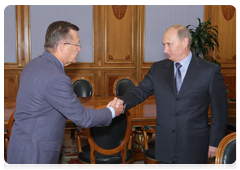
117,105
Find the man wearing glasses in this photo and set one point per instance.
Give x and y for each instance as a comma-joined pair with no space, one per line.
46,100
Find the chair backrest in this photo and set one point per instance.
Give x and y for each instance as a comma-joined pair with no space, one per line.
83,87
226,152
9,130
110,139
115,133
10,123
123,84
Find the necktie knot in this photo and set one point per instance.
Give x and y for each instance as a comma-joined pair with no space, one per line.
178,65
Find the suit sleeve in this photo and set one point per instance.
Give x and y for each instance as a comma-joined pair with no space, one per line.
60,95
219,107
140,93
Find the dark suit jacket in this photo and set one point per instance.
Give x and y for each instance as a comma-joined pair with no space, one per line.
45,101
182,120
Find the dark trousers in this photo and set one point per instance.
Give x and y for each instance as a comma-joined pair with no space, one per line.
174,165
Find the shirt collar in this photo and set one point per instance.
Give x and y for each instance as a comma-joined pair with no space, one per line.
185,62
60,62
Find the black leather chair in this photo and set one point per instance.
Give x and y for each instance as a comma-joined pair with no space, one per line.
149,146
83,87
110,144
226,152
123,84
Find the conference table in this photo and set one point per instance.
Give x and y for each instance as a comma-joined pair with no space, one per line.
142,114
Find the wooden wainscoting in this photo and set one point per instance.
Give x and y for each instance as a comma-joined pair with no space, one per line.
103,78
118,47
11,82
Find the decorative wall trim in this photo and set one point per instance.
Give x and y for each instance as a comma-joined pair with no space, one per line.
119,11
228,11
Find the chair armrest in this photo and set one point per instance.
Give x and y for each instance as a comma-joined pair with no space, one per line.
80,131
5,133
130,138
6,144
130,142
148,129
133,130
79,143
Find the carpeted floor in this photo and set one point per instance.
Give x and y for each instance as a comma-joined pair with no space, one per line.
70,150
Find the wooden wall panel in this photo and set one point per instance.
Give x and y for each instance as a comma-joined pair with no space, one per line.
231,81
22,37
120,43
111,75
11,82
144,71
119,47
227,32
224,16
116,36
89,73
229,74
72,73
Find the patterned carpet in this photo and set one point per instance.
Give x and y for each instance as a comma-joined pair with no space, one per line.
70,155
70,149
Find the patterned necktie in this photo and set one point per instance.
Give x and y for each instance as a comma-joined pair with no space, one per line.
178,77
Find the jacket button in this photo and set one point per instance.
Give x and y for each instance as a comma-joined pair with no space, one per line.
173,131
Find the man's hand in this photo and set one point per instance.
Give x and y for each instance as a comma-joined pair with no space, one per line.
212,152
119,102
117,106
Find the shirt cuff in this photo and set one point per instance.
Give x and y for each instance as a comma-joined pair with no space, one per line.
112,111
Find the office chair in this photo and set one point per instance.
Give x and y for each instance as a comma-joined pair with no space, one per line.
123,84
226,152
149,147
83,86
108,145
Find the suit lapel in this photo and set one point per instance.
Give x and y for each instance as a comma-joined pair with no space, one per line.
169,75
191,75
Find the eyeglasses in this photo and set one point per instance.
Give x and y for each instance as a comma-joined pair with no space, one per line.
80,44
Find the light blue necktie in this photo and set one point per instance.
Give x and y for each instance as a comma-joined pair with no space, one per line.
178,77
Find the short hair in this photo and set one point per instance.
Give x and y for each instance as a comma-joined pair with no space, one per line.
56,32
183,32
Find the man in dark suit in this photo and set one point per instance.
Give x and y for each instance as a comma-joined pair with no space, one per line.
46,100
182,130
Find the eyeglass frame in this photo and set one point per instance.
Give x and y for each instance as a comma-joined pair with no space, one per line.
80,44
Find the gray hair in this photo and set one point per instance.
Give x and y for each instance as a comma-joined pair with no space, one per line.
183,32
56,32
